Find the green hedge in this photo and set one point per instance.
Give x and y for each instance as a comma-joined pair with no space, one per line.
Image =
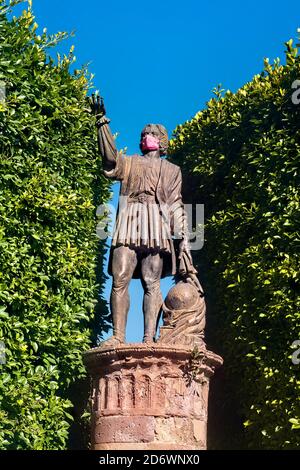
241,156
50,259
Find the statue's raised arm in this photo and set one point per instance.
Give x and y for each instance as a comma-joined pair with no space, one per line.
106,141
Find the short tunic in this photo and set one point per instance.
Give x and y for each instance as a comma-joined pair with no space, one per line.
141,222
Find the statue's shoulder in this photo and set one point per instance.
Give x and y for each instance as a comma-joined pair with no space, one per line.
135,157
124,155
170,167
130,160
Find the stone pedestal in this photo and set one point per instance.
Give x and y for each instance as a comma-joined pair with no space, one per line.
150,396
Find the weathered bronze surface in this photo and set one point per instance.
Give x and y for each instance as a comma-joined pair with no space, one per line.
150,218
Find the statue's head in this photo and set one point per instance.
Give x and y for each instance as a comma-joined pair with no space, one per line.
154,137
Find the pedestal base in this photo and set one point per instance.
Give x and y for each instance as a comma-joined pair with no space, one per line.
150,396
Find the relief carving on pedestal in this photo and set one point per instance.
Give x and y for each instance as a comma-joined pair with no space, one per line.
142,394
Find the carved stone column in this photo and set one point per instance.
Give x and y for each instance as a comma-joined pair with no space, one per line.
150,396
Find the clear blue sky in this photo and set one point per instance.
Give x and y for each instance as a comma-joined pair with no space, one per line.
158,61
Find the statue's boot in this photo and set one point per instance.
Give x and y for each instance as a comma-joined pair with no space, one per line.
119,326
150,330
112,342
148,339
151,317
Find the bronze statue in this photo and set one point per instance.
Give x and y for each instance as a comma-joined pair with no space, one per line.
150,219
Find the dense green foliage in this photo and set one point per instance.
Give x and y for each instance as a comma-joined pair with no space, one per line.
50,257
241,157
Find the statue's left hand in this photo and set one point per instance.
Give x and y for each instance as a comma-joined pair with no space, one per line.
186,268
184,248
185,258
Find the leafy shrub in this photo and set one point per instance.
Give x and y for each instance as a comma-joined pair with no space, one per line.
241,156
50,258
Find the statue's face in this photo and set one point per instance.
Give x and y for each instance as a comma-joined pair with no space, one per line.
149,140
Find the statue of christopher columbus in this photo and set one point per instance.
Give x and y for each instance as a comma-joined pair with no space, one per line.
150,238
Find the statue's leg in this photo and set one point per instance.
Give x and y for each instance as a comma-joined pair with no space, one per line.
124,261
151,266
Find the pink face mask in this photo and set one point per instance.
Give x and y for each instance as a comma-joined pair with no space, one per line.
150,142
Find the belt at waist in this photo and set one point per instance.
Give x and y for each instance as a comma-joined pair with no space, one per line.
142,198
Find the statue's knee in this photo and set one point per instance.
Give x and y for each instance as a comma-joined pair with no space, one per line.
151,283
120,279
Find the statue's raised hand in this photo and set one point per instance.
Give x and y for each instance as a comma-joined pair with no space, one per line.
97,106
